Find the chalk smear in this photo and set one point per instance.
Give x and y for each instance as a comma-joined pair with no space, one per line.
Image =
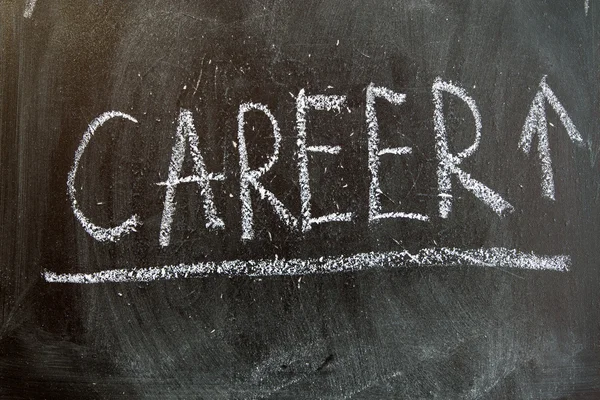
495,257
586,6
29,6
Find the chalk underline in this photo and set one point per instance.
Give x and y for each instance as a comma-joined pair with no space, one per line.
495,257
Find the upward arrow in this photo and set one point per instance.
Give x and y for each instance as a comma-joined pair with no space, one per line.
536,123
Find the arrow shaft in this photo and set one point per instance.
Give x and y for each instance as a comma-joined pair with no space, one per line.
545,159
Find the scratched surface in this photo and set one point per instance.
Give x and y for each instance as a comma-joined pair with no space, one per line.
434,331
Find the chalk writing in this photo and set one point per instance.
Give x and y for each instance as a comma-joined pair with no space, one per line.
440,257
374,92
536,124
97,232
186,129
303,104
448,166
448,163
250,177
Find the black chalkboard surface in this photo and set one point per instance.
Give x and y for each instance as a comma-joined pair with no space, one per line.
299,200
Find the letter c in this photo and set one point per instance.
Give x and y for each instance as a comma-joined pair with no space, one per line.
97,232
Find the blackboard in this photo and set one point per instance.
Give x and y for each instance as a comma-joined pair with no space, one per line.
299,200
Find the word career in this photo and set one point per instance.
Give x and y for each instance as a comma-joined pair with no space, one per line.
448,164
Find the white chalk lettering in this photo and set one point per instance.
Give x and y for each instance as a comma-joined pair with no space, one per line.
186,130
249,177
537,124
448,164
373,93
97,232
317,102
450,167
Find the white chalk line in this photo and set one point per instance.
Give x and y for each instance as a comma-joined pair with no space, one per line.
324,149
193,178
496,257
